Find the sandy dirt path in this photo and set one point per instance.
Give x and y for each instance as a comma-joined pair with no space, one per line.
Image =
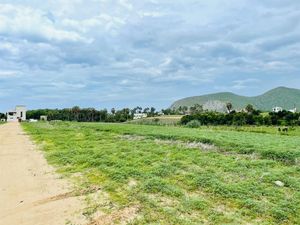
29,186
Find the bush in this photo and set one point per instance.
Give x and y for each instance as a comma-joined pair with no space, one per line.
284,156
193,124
156,120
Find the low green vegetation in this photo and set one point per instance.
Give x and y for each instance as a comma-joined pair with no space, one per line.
176,175
250,117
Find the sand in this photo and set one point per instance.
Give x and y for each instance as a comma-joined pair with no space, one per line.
31,193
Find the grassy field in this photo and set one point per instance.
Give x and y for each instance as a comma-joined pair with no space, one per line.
175,175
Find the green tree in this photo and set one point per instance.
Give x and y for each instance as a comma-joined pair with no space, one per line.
249,109
229,107
196,109
146,110
76,112
113,111
152,111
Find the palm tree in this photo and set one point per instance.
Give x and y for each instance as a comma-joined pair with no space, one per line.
229,107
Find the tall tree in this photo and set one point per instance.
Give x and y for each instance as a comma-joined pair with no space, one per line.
229,107
146,110
75,112
196,109
113,111
185,110
249,109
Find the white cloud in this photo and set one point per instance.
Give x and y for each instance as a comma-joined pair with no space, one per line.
101,21
31,24
241,84
152,50
8,74
151,14
6,46
126,4
167,61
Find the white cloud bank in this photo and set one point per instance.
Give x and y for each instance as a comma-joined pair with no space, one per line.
106,53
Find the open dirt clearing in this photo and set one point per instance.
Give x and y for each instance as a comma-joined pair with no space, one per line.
29,187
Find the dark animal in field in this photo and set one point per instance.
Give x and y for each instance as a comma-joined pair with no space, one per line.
285,129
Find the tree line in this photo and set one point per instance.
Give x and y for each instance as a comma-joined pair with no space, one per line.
193,115
90,114
248,116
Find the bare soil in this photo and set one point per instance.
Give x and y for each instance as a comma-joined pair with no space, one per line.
31,193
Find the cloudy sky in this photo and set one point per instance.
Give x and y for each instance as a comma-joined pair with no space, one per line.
117,53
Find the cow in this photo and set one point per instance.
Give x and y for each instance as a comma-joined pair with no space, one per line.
284,129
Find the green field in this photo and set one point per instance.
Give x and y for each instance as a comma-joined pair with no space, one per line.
175,175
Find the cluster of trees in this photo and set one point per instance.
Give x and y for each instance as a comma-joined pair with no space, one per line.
197,108
149,111
183,110
90,114
249,116
284,118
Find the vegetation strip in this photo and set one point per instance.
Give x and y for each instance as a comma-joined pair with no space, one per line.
192,145
265,141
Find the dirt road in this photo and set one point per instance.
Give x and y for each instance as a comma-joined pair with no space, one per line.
29,187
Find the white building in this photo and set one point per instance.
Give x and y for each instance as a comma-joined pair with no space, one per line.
19,114
277,109
161,114
137,116
293,110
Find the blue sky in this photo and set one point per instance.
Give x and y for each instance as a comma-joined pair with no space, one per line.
118,53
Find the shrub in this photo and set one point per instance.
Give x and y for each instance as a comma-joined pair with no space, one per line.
156,120
193,124
284,156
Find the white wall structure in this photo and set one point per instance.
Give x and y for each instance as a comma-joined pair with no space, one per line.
18,114
137,116
277,109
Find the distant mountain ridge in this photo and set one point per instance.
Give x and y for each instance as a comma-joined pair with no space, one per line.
287,98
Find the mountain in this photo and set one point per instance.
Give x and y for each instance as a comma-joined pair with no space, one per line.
284,97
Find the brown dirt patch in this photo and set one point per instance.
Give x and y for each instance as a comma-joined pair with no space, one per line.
31,193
